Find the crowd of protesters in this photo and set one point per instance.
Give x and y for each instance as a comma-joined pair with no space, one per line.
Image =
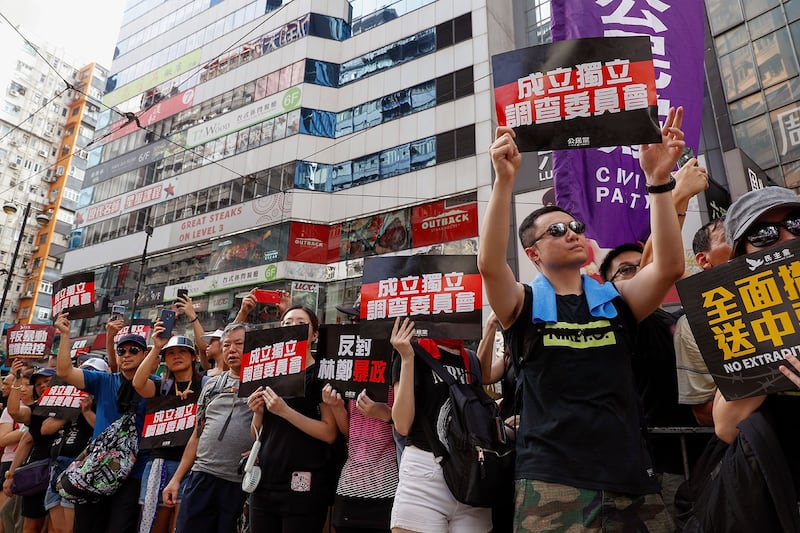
577,395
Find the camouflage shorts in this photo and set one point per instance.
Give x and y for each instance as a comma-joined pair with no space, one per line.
542,507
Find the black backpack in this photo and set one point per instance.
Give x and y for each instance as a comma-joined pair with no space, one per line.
477,460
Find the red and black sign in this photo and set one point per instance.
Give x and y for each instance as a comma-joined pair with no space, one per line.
352,363
74,294
275,358
581,93
138,326
60,400
29,341
168,422
308,243
440,222
744,317
442,294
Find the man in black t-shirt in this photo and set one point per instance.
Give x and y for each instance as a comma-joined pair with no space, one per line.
580,453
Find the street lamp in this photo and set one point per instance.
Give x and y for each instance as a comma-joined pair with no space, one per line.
41,219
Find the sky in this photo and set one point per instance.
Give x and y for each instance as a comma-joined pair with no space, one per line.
95,26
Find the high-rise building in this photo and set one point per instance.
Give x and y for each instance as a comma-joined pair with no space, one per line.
42,119
277,143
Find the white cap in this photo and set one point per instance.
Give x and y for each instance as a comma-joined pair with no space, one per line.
208,337
97,364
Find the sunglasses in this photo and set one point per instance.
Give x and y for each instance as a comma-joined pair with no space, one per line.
559,229
768,233
625,270
133,350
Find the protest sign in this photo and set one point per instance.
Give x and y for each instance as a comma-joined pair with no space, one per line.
744,316
275,358
138,326
442,294
74,294
29,341
169,421
60,400
352,363
578,94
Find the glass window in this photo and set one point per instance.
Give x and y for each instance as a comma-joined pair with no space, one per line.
445,147
783,93
344,123
732,39
747,108
395,161
766,23
792,8
755,139
318,123
753,8
738,73
318,73
723,14
775,58
341,176
465,141
786,126
423,153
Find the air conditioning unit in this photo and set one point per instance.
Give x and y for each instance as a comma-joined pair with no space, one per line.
43,153
14,309
12,164
12,142
13,92
28,294
60,171
48,134
49,179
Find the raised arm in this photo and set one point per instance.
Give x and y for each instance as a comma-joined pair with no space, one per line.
145,386
690,179
505,295
403,410
112,328
645,291
64,368
485,351
20,412
248,304
185,303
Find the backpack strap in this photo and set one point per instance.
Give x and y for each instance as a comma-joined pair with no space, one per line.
435,365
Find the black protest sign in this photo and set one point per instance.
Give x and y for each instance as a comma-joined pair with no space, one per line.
29,341
581,93
442,294
352,363
169,421
74,294
745,318
60,400
275,358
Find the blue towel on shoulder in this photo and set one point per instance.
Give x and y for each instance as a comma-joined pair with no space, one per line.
598,296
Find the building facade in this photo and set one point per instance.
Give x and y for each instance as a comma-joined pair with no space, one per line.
39,130
277,144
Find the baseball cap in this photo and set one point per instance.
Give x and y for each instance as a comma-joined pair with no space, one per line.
138,340
354,310
45,371
179,341
208,337
97,364
746,210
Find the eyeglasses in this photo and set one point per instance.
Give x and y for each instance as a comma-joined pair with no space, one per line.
559,229
626,269
768,233
133,350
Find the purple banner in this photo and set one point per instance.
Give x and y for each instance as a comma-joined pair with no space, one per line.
605,187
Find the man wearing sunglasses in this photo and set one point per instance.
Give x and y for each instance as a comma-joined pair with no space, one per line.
757,220
120,512
581,458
